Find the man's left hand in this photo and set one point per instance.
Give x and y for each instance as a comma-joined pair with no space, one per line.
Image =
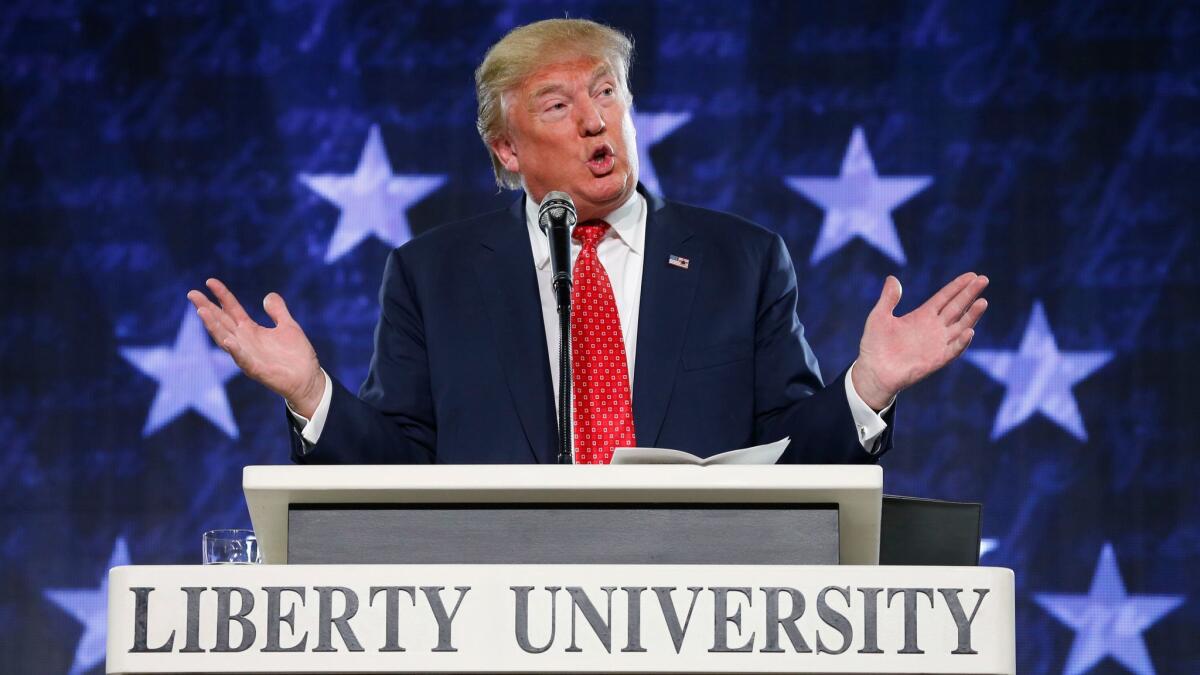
896,352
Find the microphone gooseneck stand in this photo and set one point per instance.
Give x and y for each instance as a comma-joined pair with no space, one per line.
564,372
556,216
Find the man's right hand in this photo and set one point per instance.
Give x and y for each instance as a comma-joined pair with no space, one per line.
280,358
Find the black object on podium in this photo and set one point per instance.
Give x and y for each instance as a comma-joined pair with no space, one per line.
915,531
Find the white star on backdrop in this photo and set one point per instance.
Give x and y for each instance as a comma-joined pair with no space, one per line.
987,545
1038,377
90,607
652,128
1107,621
858,203
190,374
373,200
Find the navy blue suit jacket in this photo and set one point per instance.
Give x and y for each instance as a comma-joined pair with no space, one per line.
461,374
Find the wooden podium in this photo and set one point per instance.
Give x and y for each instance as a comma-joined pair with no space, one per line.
648,568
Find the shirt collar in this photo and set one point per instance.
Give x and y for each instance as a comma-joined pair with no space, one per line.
627,223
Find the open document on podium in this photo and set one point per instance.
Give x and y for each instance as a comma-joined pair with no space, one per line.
759,454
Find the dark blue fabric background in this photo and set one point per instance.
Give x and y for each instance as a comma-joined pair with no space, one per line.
146,146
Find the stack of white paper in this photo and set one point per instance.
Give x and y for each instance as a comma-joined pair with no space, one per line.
759,454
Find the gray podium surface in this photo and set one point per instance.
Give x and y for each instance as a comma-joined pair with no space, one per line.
731,534
766,514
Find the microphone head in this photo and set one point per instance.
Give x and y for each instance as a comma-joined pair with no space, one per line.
557,207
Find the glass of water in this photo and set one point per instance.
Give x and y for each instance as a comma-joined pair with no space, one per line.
231,547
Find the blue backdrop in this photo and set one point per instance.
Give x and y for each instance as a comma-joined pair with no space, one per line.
286,144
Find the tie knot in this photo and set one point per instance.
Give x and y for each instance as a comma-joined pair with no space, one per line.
589,232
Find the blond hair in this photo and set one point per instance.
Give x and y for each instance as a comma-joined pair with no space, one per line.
527,48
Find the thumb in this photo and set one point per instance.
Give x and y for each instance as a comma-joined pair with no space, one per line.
890,297
277,309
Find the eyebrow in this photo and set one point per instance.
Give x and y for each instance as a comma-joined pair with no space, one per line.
602,70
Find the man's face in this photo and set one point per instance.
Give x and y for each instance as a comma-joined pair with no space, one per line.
569,129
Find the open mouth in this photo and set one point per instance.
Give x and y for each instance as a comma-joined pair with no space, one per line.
602,160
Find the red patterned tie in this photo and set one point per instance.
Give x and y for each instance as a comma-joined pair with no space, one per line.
603,408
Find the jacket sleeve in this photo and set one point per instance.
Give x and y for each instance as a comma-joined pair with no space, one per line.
391,421
790,398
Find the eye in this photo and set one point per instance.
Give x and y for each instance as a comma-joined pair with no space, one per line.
608,91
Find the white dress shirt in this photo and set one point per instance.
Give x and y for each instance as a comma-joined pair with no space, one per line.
622,253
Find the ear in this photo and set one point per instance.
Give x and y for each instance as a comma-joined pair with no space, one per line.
507,153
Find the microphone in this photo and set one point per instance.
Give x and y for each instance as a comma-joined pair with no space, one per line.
556,217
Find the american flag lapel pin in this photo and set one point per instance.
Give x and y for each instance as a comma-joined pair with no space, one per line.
678,261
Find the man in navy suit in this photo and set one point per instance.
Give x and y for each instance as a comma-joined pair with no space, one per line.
705,303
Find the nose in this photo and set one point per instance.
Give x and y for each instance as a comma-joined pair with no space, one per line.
591,122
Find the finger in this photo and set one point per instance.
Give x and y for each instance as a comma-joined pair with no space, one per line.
215,327
228,301
960,344
958,305
277,309
972,315
943,297
222,336
199,300
218,317
211,314
889,297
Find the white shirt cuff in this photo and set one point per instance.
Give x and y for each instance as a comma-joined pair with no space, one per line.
867,422
310,429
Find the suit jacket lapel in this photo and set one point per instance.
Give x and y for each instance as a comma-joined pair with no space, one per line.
667,294
508,287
